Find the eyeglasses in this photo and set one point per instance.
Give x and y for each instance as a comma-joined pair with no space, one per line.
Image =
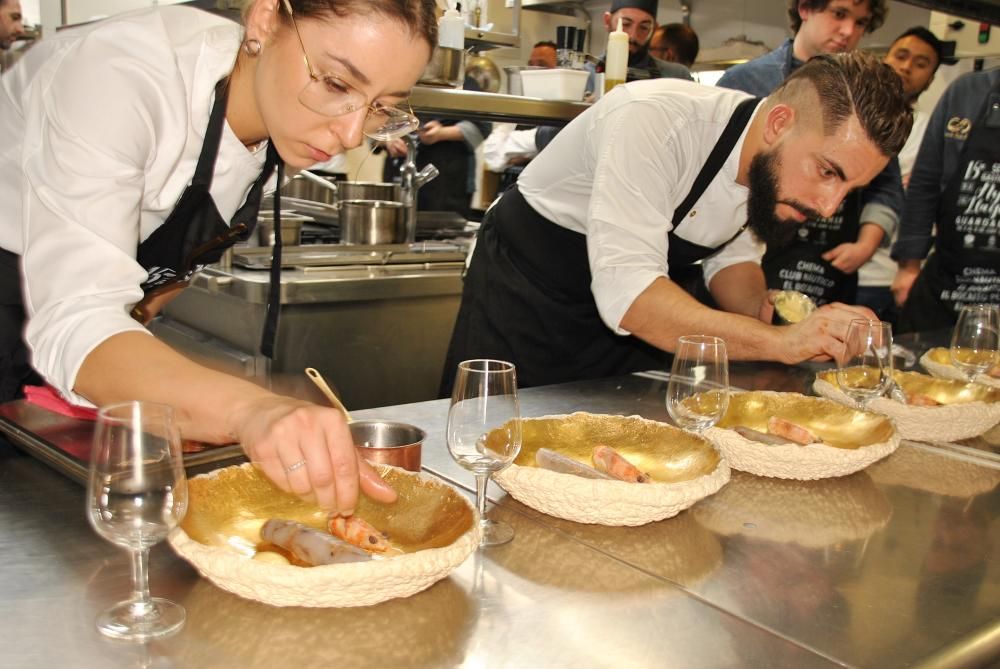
329,95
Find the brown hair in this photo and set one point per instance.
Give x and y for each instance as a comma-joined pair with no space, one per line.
878,8
858,84
420,16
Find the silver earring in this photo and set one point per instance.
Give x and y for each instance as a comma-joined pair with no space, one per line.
252,47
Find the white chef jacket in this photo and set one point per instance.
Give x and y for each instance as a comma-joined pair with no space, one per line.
617,172
100,130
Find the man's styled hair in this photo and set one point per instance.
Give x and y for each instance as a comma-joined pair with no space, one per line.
682,39
878,7
548,43
858,84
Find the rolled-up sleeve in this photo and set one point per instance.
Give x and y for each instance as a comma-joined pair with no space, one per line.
84,164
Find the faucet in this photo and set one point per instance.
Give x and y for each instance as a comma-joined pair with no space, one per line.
410,182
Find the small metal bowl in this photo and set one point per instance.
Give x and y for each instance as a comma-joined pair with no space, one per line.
791,306
389,443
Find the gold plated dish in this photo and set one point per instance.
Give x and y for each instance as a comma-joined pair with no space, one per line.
684,468
431,528
791,306
937,362
966,410
851,439
813,514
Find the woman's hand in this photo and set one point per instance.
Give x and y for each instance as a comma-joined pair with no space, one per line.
307,450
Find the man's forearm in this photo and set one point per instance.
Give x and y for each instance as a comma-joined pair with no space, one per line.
740,289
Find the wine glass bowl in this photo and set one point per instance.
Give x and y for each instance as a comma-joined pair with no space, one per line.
975,341
136,494
698,389
484,430
864,371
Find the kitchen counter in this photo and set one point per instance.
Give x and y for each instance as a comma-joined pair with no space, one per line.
890,567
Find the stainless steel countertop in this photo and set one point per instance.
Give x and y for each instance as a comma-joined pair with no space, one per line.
886,568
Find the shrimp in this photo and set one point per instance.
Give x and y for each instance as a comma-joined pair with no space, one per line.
557,462
357,532
610,461
994,371
762,437
791,431
312,547
921,400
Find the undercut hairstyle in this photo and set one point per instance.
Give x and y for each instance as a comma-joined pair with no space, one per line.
548,43
847,84
420,16
878,8
682,39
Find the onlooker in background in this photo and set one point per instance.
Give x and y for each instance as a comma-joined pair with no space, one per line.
510,146
638,21
823,259
450,144
915,57
11,22
543,54
953,187
675,43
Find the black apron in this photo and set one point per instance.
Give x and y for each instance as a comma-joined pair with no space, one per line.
527,296
964,267
193,235
799,265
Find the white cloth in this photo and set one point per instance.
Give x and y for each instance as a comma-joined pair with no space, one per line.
100,130
880,269
618,171
505,143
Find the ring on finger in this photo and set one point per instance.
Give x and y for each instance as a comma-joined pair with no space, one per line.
295,465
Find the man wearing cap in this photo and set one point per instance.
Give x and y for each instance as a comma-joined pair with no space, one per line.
915,57
952,203
823,258
638,19
572,273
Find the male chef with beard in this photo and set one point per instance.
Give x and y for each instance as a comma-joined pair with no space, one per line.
571,275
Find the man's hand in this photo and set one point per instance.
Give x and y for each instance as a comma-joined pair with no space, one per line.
396,148
907,273
820,336
848,257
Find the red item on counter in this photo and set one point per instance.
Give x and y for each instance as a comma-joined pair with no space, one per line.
47,398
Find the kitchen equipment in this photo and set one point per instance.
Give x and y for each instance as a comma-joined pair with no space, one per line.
554,84
291,229
306,189
309,186
368,190
372,222
513,72
446,68
485,72
321,383
389,443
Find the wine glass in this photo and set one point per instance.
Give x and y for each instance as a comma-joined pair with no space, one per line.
698,390
974,341
864,372
484,430
136,494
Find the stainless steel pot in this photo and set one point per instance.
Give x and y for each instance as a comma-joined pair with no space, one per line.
447,68
291,228
305,189
372,222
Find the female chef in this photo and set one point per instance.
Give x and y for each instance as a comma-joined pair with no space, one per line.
135,149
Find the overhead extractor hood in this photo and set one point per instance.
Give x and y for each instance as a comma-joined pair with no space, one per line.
986,11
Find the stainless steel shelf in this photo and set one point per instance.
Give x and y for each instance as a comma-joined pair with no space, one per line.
477,106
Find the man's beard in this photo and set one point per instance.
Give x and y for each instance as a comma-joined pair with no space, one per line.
762,219
639,55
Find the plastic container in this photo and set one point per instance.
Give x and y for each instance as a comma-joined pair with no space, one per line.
451,30
554,84
616,63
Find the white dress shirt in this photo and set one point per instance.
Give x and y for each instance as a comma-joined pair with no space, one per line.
617,172
100,130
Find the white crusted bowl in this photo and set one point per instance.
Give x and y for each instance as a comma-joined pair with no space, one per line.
967,409
433,525
851,439
683,466
813,514
937,362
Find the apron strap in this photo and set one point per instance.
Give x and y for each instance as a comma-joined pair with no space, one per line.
717,158
213,136
274,281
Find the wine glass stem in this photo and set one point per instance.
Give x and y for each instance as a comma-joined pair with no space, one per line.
481,480
140,576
